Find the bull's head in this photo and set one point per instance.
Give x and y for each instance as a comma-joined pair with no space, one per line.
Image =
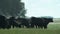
50,19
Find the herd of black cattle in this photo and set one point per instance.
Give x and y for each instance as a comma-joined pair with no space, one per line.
33,22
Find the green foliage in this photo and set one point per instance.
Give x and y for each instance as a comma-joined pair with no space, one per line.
12,8
23,13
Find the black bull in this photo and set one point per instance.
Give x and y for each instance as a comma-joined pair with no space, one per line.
40,22
23,22
3,22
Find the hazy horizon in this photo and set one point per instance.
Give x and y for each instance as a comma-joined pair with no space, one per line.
39,8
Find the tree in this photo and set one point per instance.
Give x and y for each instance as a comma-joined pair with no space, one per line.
12,8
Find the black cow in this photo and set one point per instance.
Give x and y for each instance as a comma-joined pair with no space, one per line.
37,22
12,22
3,22
23,22
46,22
40,22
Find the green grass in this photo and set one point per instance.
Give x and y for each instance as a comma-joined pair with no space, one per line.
34,31
52,29
53,26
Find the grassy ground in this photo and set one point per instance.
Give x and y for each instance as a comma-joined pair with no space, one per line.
52,29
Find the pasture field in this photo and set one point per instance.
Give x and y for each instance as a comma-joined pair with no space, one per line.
53,28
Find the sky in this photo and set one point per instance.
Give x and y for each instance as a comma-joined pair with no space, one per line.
40,8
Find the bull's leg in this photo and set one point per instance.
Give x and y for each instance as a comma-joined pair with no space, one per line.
32,26
8,26
27,26
23,26
45,27
3,27
13,26
19,26
41,27
36,26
